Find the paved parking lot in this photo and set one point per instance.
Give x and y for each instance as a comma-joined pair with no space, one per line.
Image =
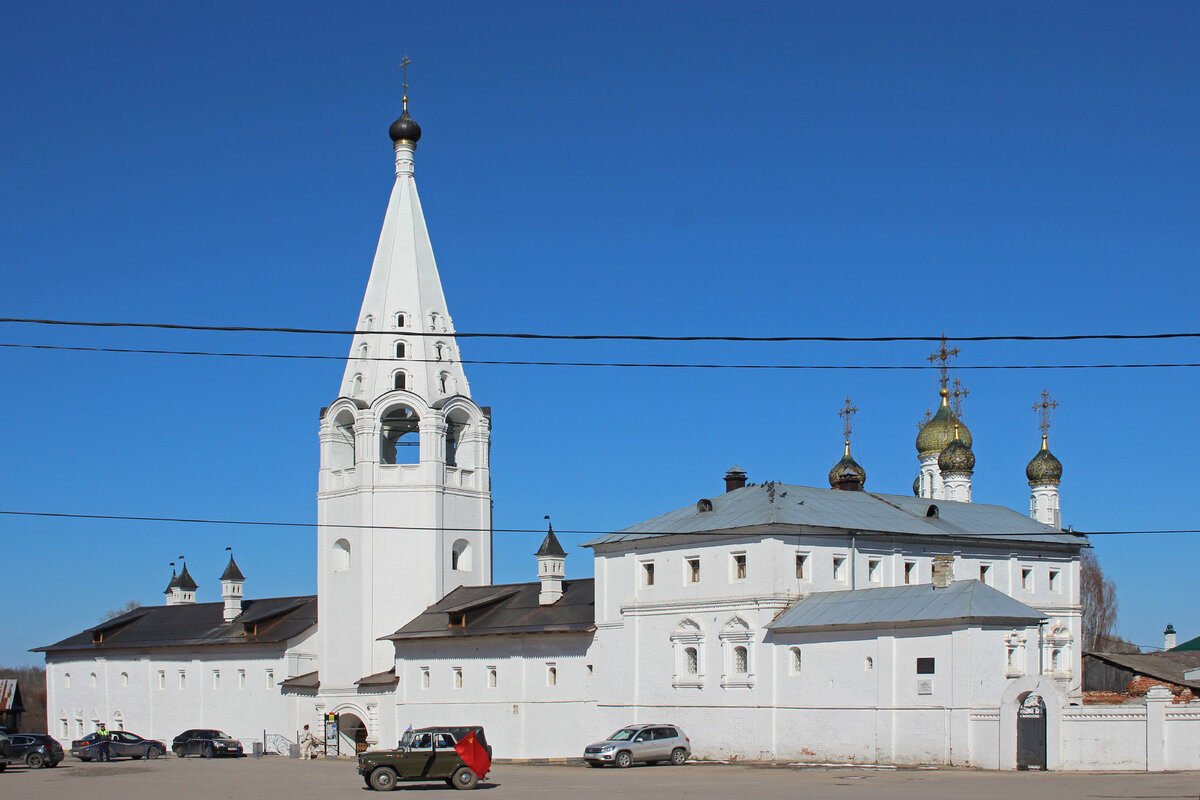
251,778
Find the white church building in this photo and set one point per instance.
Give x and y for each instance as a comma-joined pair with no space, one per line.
769,621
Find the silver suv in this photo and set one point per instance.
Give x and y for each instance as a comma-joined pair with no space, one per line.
646,743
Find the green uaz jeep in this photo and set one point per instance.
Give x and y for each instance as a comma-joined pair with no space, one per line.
428,754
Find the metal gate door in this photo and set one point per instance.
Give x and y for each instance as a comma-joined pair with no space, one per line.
1031,733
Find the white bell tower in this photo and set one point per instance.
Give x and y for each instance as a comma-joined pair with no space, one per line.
404,496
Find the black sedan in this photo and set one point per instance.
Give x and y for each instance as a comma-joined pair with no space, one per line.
121,744
35,749
205,742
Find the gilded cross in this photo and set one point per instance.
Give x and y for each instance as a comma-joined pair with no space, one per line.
928,416
1045,408
847,414
957,396
945,356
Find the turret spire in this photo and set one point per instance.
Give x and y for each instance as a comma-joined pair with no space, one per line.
1044,471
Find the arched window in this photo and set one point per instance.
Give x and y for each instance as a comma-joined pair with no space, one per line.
796,660
870,664
460,555
691,661
425,678
399,380
368,322
434,321
341,555
341,449
740,662
552,676
66,680
124,680
460,448
736,637
492,678
364,350
400,440
356,385
118,720
92,680
400,319
439,351
444,383
1056,660
401,351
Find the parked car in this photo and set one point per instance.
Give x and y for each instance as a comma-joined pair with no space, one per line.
644,743
205,742
36,750
121,744
427,754
5,749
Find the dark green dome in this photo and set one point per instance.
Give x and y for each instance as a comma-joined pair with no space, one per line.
936,434
1044,467
917,486
847,474
956,457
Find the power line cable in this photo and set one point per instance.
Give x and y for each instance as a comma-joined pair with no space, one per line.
281,524
623,364
610,337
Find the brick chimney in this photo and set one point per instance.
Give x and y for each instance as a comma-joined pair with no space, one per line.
1169,637
735,478
943,571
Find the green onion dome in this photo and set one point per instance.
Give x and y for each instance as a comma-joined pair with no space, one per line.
847,474
917,486
956,457
936,434
1044,467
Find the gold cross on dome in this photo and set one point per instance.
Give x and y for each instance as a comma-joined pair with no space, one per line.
928,416
1045,409
945,356
404,62
957,396
847,414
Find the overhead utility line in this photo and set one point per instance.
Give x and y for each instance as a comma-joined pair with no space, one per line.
610,337
278,524
867,367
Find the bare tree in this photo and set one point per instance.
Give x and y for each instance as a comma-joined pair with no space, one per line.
1098,595
125,609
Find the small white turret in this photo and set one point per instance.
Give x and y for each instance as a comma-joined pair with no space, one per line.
551,560
182,589
231,590
1044,472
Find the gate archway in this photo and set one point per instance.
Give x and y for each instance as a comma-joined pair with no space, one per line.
352,734
1031,732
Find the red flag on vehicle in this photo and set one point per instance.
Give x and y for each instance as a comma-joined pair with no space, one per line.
474,755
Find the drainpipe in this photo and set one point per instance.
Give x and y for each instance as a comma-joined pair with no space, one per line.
1041,647
853,563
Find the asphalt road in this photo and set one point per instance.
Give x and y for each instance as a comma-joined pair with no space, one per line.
274,777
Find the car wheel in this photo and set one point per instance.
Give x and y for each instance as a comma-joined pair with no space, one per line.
464,778
135,758
3,766
35,760
383,779
178,751
153,752
207,751
624,759
678,757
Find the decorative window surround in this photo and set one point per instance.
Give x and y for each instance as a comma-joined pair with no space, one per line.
688,634
737,633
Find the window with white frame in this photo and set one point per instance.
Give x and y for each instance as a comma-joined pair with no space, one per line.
458,683
801,566
401,350
738,566
551,675
425,679
124,680
1027,578
241,679
736,638
687,641
647,573
182,679
92,680
493,677
870,664
1055,581
874,571
216,678
795,660
910,572
400,319
691,661
162,679
839,569
985,574
741,660
270,679
66,680
692,569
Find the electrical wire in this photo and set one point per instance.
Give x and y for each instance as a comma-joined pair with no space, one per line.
611,337
280,524
626,364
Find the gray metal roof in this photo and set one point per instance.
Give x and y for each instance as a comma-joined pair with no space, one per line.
899,605
512,608
785,505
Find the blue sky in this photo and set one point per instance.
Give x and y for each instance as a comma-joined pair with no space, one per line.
863,169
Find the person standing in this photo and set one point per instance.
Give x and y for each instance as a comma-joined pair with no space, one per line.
308,744
103,739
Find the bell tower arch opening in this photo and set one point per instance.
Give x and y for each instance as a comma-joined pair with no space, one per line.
400,436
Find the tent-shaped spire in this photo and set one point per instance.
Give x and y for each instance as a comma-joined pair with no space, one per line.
232,573
414,348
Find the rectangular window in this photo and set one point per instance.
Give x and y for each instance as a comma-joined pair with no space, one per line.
270,679
693,570
739,566
182,679
925,666
910,572
873,570
801,566
985,573
241,679
1027,578
162,679
458,677
492,677
839,568
1055,581
647,573
216,673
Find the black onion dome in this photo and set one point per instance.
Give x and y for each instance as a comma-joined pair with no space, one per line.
917,486
1044,467
847,474
957,457
405,129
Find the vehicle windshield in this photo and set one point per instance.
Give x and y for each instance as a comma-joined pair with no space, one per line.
624,735
221,735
